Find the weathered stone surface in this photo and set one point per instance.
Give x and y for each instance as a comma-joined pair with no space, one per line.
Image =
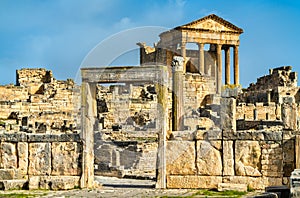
231,186
228,114
180,158
247,158
59,182
208,134
39,159
6,174
66,158
228,158
193,181
209,161
8,155
253,135
33,182
13,184
289,115
257,183
23,157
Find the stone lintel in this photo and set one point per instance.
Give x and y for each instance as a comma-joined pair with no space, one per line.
153,73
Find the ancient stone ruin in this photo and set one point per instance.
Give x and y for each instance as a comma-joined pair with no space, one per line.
172,119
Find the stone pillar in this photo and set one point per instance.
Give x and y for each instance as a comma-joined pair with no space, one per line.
227,65
297,151
219,68
183,54
162,99
178,93
228,114
89,114
201,58
236,64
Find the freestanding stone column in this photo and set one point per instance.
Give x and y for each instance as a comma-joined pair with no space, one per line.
89,114
201,58
219,68
183,54
177,64
236,64
227,65
163,125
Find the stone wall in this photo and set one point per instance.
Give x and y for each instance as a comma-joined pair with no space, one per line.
39,103
40,161
205,159
198,93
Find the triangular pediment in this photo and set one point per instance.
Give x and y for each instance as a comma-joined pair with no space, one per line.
211,23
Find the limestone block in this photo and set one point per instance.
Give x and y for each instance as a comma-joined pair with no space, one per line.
257,183
13,184
8,155
228,114
209,161
39,159
180,157
6,174
33,182
66,158
228,158
193,181
59,182
247,158
230,186
23,157
289,116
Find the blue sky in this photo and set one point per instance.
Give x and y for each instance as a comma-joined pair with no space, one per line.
58,34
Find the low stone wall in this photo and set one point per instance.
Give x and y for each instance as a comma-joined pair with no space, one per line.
204,159
40,161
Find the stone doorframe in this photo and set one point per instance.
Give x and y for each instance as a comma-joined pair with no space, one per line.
90,77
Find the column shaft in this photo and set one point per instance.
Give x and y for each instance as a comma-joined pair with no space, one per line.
201,58
183,54
88,118
219,68
236,65
227,65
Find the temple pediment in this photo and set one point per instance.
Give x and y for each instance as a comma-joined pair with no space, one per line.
211,23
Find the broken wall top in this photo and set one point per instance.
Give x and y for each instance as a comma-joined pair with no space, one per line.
28,76
281,76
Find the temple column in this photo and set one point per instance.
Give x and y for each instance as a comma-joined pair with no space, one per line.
219,68
183,54
201,58
236,64
227,65
178,102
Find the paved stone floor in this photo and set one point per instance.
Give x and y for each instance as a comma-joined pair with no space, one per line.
114,187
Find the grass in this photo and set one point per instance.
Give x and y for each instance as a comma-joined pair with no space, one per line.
215,194
20,194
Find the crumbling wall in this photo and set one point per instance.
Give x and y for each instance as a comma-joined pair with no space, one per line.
198,95
129,107
39,103
281,82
